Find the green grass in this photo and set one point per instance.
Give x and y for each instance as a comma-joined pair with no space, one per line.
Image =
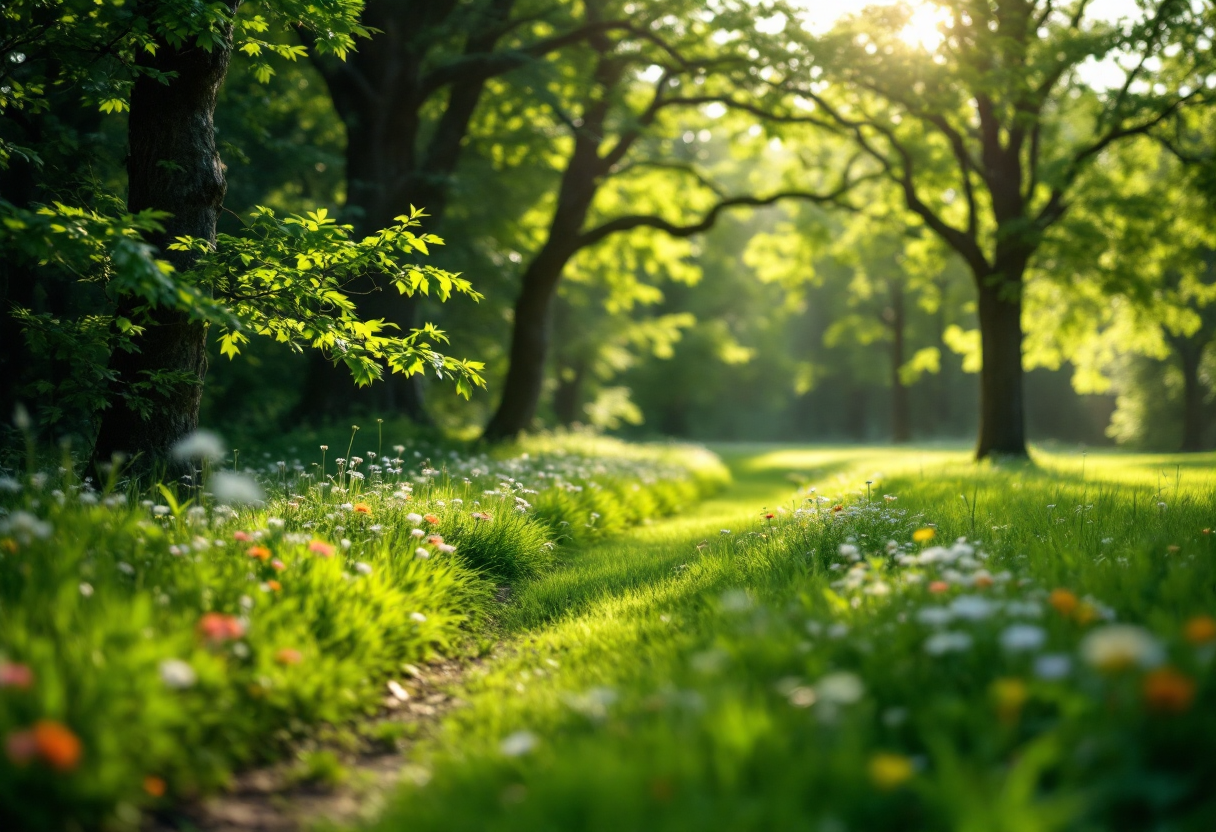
680,678
151,644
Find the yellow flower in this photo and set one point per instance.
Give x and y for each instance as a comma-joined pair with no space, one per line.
890,771
1063,600
924,535
1201,629
1009,695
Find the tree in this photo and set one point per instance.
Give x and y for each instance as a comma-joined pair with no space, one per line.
987,125
161,262
616,122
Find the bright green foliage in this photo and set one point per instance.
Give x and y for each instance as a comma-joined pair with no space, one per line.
179,638
821,668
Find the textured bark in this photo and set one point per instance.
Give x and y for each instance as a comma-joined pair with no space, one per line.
901,415
1002,403
380,93
173,166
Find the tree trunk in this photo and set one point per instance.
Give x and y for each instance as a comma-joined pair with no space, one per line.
525,379
568,398
901,422
1194,409
173,166
1002,405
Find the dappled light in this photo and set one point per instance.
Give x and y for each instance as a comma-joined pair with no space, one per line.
607,415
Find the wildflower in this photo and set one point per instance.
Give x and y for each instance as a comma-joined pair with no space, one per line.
890,771
344,543
1120,647
218,627
1052,666
518,744
924,535
938,586
241,537
154,786
160,511
935,616
362,508
413,518
177,674
1019,638
418,532
947,641
848,550
1064,601
288,656
446,548
1200,630
86,589
723,531
202,444
273,585
259,552
1009,695
1086,613
278,565
14,675
431,518
25,527
417,617
972,607
421,554
55,743
769,515
321,548
1166,690
235,488
842,688
363,568
836,509
434,540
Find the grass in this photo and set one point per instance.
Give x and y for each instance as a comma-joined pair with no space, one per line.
153,643
826,669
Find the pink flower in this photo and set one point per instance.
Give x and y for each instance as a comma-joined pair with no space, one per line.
16,676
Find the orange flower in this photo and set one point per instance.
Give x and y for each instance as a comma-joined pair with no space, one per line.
363,508
1168,691
218,627
939,586
1200,630
435,540
1207,531
924,535
321,548
769,515
836,509
57,745
259,552
154,786
16,676
431,518
275,585
288,656
1063,600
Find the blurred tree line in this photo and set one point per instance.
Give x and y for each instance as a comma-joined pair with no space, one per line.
696,219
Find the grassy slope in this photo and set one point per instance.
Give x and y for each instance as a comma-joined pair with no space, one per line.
617,680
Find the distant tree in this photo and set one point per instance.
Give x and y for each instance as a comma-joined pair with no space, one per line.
987,124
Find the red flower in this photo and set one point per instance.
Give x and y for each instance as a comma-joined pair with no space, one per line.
52,742
218,627
16,676
259,552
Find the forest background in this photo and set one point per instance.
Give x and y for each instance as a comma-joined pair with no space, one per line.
666,235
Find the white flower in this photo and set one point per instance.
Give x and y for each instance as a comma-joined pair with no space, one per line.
1024,609
848,550
518,744
1052,666
202,444
344,543
935,616
724,531
9,484
947,641
1121,646
421,554
1021,637
160,511
417,617
363,568
972,607
414,517
842,688
417,532
86,590
177,674
446,548
25,526
235,489
275,522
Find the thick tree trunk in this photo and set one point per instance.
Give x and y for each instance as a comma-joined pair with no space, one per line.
173,166
1002,405
1194,408
521,390
901,419
568,397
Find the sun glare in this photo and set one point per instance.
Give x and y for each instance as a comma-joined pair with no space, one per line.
924,28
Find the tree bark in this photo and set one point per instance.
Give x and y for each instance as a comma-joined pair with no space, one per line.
1002,403
901,422
568,398
173,166
1195,416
